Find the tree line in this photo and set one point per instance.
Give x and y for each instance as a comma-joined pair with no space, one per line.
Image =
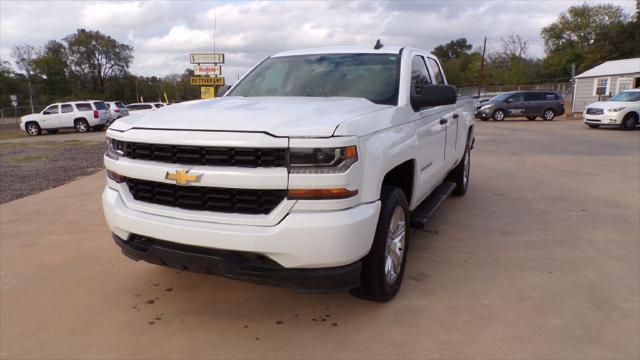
91,65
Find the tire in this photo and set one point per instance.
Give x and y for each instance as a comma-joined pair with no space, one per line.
98,127
52,131
593,126
531,118
383,268
629,122
548,115
33,128
82,126
498,115
460,174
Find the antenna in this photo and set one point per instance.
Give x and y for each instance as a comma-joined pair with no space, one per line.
378,45
215,20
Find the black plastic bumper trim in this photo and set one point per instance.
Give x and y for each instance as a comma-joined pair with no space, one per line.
237,265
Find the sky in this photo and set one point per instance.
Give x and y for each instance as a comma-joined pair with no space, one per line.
163,33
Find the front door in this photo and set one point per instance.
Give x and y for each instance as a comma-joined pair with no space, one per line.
431,133
49,119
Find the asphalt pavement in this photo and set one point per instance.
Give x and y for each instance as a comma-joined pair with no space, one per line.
540,260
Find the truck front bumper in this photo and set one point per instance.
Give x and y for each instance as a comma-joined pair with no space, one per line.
302,240
239,265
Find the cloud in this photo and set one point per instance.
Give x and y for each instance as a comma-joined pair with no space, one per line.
164,32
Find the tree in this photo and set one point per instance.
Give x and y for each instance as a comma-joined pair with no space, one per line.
452,50
618,41
24,56
570,38
51,64
514,46
96,57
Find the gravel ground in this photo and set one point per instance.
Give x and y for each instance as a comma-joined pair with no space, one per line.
29,168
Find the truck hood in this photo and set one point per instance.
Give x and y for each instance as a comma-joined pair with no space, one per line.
278,116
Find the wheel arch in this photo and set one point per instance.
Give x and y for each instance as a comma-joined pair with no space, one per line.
403,177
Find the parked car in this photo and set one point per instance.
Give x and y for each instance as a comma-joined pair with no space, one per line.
117,109
140,108
306,177
81,115
622,110
529,104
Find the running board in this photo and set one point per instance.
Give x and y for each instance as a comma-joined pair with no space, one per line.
428,207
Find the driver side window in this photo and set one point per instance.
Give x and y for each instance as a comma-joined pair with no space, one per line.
517,97
419,75
53,109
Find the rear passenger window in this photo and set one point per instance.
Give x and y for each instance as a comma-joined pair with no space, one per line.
84,107
67,108
534,96
121,105
159,105
419,75
437,72
100,105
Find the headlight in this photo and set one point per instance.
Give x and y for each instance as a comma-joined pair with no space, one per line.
113,150
486,106
616,109
322,160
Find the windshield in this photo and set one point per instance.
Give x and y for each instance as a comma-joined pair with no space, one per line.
627,96
370,76
501,97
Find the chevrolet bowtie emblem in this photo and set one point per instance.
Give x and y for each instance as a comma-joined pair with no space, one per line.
182,177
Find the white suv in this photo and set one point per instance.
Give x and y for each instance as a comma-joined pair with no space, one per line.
141,108
622,110
81,115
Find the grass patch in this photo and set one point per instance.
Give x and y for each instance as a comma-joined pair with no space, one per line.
28,158
12,134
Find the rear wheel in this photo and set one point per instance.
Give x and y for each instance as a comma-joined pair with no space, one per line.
548,115
593,126
460,174
383,268
629,122
498,115
33,129
531,118
82,125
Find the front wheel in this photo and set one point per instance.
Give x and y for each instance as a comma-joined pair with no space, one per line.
33,129
629,122
548,115
498,115
383,268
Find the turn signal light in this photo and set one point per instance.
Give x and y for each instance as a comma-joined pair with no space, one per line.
116,177
320,194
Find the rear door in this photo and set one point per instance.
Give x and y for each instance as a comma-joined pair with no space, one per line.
103,110
67,114
534,103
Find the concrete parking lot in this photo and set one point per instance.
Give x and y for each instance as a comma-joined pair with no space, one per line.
540,260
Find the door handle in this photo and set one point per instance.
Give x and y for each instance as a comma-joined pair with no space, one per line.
455,116
443,121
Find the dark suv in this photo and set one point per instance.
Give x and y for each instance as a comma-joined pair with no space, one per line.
529,104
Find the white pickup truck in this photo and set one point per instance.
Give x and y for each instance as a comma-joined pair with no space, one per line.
307,174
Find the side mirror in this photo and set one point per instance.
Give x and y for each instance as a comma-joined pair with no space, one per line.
434,95
509,101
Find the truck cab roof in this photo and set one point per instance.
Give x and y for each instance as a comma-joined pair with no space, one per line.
341,50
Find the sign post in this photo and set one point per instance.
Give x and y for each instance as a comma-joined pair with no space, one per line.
14,103
207,75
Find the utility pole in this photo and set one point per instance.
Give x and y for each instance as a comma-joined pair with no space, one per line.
484,50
